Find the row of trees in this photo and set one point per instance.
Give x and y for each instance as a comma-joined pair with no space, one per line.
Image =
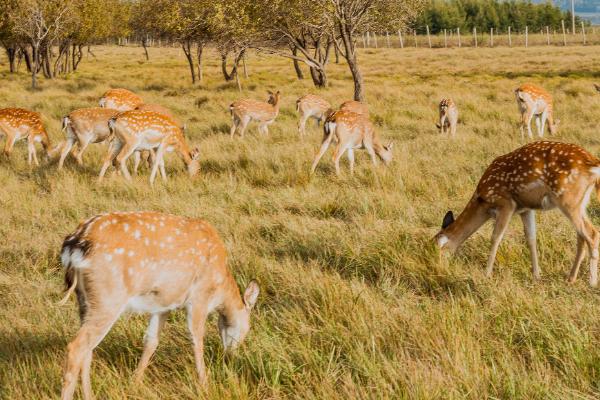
486,14
51,35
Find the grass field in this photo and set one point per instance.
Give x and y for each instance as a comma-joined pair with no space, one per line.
355,301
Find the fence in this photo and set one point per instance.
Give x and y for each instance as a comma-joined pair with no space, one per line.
493,38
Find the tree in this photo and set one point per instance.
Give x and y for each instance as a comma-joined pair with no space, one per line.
7,36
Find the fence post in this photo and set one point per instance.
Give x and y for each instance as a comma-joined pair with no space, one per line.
458,34
364,40
375,39
368,39
491,37
547,36
562,22
475,36
509,38
415,34
428,37
583,32
445,39
400,37
526,36
387,39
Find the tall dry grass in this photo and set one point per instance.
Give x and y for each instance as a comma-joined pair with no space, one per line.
355,302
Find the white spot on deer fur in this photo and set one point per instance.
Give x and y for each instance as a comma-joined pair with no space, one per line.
137,234
130,253
119,250
108,257
147,241
125,227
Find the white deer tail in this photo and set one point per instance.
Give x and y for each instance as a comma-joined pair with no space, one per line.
70,291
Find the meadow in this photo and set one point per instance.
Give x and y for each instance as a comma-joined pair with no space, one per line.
356,301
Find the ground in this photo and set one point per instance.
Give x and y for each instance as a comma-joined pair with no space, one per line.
356,301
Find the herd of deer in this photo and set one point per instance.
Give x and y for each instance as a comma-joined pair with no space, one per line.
153,263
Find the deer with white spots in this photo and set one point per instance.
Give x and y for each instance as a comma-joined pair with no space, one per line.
535,102
538,176
82,127
17,124
147,130
247,110
448,117
311,106
356,107
161,110
150,263
120,100
351,131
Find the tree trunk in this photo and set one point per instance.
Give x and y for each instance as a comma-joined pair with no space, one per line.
297,68
234,70
11,53
24,52
145,46
186,45
34,66
350,56
77,55
318,76
199,57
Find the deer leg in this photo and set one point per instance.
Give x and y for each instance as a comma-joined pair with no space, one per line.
137,159
453,124
324,146
543,118
157,321
538,125
79,351
124,154
86,381
113,151
158,159
65,152
581,252
527,116
10,142
244,124
528,218
31,151
443,124
302,125
351,160
163,173
337,155
196,323
234,124
83,144
502,220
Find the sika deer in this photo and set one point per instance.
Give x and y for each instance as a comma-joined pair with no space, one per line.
146,130
351,131
311,106
85,126
537,176
244,111
17,124
533,101
147,262
120,100
448,117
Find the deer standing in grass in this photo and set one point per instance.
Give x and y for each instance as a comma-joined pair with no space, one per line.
120,100
538,176
448,117
148,262
17,124
535,102
146,130
244,111
311,106
351,131
82,127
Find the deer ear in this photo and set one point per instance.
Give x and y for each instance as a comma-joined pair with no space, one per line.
448,220
251,294
269,92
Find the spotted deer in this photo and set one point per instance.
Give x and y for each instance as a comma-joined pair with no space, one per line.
244,111
448,117
538,176
17,124
355,107
82,127
351,131
161,110
151,263
311,106
120,99
147,130
535,102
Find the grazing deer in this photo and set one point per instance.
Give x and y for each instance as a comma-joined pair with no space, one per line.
537,176
82,127
355,107
17,124
147,130
533,101
244,111
149,262
120,100
351,131
311,106
448,117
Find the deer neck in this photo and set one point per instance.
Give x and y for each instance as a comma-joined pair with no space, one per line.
232,302
468,222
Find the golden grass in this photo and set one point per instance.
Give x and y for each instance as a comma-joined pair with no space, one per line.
355,302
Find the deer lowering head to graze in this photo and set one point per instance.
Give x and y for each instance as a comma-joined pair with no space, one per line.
355,107
448,117
351,131
537,176
82,127
17,124
151,263
311,106
244,111
120,99
535,102
147,130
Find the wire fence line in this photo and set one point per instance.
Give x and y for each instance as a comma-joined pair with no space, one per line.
493,37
